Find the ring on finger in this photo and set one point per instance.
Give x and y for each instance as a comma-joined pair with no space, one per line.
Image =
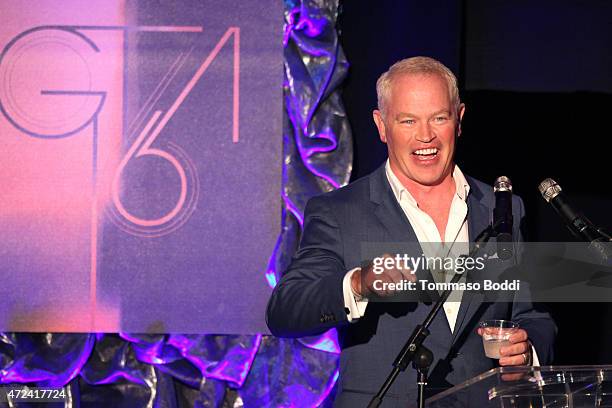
525,358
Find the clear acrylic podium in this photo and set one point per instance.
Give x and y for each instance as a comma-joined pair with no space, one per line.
532,387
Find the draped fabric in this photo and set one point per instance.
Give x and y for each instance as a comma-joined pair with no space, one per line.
207,370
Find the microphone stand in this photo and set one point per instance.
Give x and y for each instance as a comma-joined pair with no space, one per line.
414,351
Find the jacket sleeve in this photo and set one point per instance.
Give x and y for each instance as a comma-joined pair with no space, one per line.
308,299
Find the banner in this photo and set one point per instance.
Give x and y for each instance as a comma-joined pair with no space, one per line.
141,165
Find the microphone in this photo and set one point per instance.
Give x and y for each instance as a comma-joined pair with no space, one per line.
578,224
502,216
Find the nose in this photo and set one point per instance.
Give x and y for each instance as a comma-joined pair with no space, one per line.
425,133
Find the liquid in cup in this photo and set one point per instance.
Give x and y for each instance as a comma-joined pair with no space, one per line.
496,334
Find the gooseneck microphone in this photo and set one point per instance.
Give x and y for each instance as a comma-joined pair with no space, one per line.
502,216
578,224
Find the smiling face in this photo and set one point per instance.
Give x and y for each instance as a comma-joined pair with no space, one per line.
419,126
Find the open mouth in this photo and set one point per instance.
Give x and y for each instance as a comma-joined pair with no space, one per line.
426,154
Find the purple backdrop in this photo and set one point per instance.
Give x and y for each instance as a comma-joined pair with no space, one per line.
184,370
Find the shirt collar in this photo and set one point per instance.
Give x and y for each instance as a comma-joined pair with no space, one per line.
462,188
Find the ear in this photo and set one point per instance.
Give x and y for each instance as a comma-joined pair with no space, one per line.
380,125
460,113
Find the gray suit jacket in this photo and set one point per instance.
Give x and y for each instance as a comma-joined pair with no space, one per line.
309,298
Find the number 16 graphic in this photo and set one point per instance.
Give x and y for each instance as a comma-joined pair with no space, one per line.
180,161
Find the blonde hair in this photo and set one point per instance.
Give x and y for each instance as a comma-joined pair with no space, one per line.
416,65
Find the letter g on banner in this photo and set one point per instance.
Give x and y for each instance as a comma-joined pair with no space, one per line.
45,82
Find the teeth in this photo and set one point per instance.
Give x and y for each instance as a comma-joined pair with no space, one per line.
426,151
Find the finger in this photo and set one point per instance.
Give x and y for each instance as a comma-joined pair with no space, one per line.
377,263
394,278
512,361
395,275
378,286
408,275
383,285
519,336
514,349
512,377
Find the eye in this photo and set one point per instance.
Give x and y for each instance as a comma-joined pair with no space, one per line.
440,119
408,121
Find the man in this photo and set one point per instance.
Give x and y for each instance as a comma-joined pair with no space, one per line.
420,195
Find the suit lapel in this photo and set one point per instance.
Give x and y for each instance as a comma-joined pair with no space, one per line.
391,215
478,220
388,210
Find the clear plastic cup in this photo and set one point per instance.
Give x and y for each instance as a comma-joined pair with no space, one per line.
496,334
